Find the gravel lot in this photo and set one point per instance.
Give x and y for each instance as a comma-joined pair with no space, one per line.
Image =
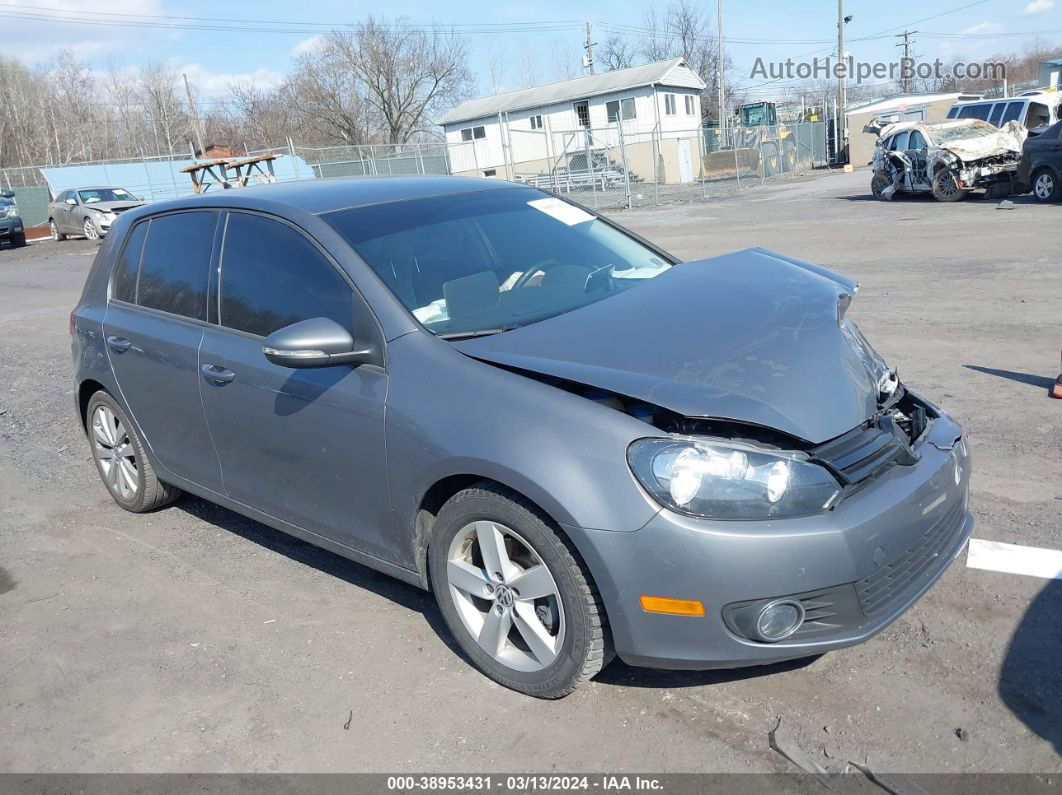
196,640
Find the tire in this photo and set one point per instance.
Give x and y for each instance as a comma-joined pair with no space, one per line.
90,230
18,241
1046,186
54,228
568,626
878,183
120,460
945,189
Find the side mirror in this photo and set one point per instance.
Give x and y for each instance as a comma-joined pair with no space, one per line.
318,342
71,202
7,194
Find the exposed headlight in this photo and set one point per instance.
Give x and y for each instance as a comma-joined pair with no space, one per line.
724,480
10,211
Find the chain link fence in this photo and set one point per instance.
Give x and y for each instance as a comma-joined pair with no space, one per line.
616,166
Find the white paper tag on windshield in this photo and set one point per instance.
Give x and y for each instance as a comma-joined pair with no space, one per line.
565,213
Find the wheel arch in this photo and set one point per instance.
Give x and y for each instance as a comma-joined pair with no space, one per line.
85,390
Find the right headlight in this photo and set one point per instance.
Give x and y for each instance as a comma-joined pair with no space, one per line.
725,480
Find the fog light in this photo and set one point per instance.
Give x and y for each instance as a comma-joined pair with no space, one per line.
779,620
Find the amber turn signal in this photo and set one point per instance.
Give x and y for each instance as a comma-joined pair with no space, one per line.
672,607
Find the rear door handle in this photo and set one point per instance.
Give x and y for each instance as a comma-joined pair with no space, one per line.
219,375
119,344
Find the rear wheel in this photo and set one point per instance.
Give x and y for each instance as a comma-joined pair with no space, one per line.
120,459
54,229
946,188
1046,186
515,595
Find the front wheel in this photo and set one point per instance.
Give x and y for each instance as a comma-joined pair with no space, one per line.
120,459
19,240
91,232
878,184
946,188
1045,186
515,595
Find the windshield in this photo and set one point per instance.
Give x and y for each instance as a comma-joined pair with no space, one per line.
493,260
105,195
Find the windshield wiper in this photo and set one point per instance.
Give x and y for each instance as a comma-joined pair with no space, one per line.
482,332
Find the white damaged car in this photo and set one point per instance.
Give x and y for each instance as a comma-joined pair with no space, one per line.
948,159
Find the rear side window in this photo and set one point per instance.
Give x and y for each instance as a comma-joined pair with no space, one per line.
175,264
272,276
975,112
997,113
126,269
953,113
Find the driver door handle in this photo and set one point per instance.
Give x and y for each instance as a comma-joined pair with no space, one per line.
218,375
119,344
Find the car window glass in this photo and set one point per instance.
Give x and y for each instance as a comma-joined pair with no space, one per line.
997,113
1013,111
127,267
176,261
1037,116
272,276
918,143
899,142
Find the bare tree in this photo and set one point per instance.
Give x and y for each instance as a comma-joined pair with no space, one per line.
618,52
406,75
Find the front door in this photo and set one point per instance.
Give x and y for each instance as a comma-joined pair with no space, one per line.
305,446
685,161
153,329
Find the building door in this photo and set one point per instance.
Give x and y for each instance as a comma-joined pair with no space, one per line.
685,160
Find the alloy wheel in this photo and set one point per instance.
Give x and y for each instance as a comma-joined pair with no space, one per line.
90,230
1044,186
505,596
114,453
54,230
948,188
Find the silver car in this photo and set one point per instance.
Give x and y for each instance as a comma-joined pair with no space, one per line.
88,211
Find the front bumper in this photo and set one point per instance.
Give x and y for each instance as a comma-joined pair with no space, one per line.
9,227
868,560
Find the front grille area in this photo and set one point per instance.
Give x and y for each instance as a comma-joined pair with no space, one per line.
890,582
861,453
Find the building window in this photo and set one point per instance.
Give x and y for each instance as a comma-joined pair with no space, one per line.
689,105
617,109
582,112
669,104
491,172
536,122
469,133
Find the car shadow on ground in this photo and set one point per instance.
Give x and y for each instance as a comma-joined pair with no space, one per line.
1029,681
1022,378
417,600
401,593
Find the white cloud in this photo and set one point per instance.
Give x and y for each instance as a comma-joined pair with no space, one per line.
211,85
55,27
312,44
1038,7
985,27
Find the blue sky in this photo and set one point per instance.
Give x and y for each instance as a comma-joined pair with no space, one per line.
772,30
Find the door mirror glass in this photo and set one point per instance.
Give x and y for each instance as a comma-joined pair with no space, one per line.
318,342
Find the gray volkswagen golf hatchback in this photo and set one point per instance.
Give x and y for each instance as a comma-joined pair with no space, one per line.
583,447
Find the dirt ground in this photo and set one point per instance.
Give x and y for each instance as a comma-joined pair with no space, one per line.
196,640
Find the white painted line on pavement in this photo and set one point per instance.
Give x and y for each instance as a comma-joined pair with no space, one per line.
1015,559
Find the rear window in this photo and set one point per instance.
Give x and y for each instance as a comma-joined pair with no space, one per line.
175,264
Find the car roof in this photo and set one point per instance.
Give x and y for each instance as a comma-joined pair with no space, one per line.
316,196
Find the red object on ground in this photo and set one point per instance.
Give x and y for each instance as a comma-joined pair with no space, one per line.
1056,389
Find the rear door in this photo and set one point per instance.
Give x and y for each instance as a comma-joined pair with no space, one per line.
154,324
305,446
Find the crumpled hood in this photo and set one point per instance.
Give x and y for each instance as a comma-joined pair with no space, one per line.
1009,138
750,336
114,207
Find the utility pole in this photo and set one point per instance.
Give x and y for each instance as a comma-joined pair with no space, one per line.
195,116
842,93
589,47
905,80
719,78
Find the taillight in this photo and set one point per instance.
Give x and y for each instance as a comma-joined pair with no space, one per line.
73,325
